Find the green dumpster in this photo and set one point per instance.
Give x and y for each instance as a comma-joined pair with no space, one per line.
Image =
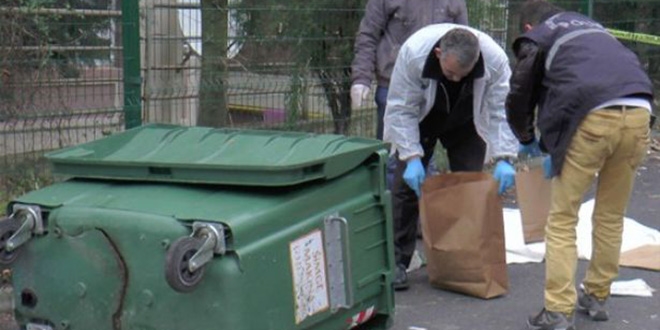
167,227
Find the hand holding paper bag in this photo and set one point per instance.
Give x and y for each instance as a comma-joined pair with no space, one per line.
505,175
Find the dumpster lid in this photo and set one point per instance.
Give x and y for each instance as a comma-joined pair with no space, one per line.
159,152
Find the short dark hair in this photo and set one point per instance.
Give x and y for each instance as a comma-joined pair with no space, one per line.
463,44
534,12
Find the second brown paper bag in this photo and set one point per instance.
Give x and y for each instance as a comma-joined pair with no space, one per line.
463,232
533,195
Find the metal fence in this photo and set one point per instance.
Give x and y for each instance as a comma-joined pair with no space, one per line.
60,84
72,71
282,64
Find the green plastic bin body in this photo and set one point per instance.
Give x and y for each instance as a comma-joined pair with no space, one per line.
292,231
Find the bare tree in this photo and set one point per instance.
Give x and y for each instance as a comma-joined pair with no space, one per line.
213,100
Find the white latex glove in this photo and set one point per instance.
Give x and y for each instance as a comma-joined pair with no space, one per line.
359,93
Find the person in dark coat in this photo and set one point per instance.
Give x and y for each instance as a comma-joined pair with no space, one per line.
594,107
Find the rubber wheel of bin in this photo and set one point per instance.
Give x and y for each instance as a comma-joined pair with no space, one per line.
8,226
176,264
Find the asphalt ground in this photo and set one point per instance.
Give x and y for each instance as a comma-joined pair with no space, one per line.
423,307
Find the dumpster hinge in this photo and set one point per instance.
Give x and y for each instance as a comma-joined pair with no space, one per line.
31,223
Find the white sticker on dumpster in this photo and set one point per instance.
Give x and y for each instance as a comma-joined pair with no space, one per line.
310,286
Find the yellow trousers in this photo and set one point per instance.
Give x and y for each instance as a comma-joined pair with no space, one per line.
609,145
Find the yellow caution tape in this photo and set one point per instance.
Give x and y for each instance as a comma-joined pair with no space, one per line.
637,37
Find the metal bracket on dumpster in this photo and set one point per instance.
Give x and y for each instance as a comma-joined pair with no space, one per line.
339,263
31,223
214,243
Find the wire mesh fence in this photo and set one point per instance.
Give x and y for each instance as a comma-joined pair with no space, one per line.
65,76
60,83
281,64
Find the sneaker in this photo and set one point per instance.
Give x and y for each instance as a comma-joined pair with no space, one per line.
547,320
592,306
400,278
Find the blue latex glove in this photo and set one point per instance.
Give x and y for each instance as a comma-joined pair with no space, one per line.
505,175
547,167
414,175
530,150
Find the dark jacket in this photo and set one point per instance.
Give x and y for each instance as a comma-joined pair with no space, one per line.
385,27
568,65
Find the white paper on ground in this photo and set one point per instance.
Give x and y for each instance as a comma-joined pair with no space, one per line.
637,287
634,236
418,261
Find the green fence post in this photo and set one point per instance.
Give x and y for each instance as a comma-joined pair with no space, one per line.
132,78
588,7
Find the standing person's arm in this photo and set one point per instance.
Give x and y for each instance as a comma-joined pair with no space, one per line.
371,30
462,17
525,90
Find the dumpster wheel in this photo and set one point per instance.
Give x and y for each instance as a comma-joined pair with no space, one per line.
177,274
8,226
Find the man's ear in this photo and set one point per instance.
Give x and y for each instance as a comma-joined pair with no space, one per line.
527,27
437,52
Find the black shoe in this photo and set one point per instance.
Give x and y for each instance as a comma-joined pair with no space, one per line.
547,320
400,278
592,306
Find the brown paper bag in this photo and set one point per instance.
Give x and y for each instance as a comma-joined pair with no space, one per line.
533,194
463,231
644,257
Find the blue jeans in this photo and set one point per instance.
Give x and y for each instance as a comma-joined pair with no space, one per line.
381,103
